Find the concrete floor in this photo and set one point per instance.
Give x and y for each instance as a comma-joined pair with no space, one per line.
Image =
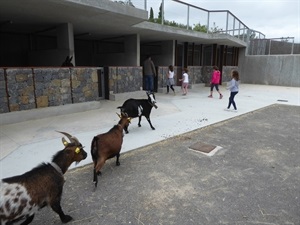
33,141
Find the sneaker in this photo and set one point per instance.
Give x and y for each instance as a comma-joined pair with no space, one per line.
235,110
221,96
210,96
174,93
226,109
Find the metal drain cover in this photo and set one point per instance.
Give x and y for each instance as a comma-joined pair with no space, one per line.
204,148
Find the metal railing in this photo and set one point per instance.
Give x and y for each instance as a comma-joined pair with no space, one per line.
273,46
185,15
195,18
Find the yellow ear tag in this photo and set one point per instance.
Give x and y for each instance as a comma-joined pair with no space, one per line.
77,150
65,143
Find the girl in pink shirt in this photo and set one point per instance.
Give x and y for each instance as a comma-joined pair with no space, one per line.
215,80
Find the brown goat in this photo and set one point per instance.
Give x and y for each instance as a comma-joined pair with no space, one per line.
22,196
108,145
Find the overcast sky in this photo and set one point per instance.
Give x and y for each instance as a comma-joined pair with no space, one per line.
274,18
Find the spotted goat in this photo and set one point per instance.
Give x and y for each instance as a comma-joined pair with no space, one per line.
22,196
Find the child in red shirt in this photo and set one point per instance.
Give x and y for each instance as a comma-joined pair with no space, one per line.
215,80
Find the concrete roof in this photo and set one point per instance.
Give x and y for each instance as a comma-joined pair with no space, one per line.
96,20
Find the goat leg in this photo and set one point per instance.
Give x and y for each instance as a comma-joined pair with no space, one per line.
140,118
95,179
126,129
150,123
118,162
63,217
28,220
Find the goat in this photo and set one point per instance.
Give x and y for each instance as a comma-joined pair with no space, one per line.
23,195
107,145
138,108
68,62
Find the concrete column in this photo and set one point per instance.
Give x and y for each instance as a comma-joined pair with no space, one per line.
167,56
65,40
132,50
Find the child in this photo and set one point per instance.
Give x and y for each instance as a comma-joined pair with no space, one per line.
234,89
215,80
185,81
170,79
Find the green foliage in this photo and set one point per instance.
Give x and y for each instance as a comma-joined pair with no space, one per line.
215,29
160,11
151,17
126,2
200,28
197,27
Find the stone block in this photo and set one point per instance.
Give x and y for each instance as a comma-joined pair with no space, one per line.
42,101
24,100
14,107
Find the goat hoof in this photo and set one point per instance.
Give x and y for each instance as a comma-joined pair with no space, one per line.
139,125
66,219
118,164
153,128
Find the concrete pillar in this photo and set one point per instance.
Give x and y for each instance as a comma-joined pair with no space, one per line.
132,50
65,40
167,56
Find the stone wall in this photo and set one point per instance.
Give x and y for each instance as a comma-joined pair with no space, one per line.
29,88
125,79
3,94
195,75
226,72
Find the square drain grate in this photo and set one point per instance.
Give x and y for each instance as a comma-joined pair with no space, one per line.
204,148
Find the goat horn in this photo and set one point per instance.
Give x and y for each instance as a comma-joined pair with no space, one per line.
71,138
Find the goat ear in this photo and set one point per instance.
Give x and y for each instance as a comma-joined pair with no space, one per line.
64,141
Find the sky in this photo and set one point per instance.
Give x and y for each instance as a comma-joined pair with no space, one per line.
273,18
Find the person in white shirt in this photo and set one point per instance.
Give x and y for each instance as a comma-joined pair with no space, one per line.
170,79
185,81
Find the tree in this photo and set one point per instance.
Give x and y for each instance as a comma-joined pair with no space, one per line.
151,17
160,12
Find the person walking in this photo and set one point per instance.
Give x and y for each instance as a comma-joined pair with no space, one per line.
149,73
170,79
234,89
215,80
185,81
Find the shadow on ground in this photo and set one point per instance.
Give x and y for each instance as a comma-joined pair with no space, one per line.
253,179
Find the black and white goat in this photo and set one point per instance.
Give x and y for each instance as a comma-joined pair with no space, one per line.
138,108
22,196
